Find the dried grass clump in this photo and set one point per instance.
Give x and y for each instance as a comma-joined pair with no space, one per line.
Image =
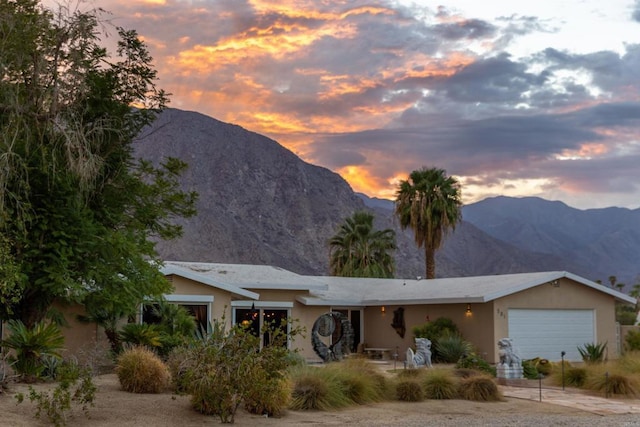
612,383
480,388
139,370
310,392
629,362
440,384
409,390
573,376
271,399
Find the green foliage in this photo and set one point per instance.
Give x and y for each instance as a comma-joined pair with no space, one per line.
32,346
473,361
629,362
270,399
450,348
75,386
78,214
529,370
438,329
439,384
626,314
575,376
409,390
141,334
632,340
140,370
479,388
593,353
357,250
340,384
228,368
429,203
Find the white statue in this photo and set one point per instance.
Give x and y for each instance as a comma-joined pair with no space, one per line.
422,356
507,353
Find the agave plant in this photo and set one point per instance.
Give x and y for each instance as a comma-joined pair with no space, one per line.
32,347
592,353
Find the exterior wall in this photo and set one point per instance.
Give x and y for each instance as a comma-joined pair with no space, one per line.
476,328
82,340
566,295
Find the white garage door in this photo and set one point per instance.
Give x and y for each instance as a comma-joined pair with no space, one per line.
546,333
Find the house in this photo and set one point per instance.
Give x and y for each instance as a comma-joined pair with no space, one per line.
544,313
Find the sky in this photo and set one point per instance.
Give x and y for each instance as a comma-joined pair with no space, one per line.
514,98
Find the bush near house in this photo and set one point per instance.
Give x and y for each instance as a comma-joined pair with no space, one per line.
140,370
434,331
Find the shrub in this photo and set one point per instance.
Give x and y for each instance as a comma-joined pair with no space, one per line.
439,384
575,376
529,370
592,353
31,346
473,361
56,403
613,383
629,362
140,370
141,334
544,367
450,348
310,392
441,327
632,340
479,388
179,361
271,399
409,390
467,372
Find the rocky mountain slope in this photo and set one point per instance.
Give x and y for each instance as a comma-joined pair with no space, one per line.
259,203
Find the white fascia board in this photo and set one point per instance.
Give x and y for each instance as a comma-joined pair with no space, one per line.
432,301
262,304
286,287
187,274
189,298
315,301
616,294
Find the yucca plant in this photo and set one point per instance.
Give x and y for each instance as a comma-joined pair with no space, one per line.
451,347
593,353
31,346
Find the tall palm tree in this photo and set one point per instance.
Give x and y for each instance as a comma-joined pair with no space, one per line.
429,203
357,250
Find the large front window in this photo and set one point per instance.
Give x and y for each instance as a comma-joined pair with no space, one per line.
263,318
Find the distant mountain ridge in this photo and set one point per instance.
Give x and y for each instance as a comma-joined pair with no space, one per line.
261,204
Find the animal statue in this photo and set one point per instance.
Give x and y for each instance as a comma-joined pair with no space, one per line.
507,353
422,356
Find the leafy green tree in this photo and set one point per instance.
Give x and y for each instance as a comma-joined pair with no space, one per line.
79,212
357,250
429,203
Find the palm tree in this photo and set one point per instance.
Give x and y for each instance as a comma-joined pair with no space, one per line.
429,203
357,250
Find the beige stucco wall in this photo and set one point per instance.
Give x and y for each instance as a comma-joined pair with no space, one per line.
476,328
83,340
567,295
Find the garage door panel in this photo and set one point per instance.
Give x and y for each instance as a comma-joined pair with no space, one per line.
545,333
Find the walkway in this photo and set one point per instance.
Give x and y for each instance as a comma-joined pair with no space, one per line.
573,399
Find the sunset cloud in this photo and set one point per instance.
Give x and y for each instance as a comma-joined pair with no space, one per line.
373,90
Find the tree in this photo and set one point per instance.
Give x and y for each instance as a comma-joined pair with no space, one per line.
78,212
357,250
429,203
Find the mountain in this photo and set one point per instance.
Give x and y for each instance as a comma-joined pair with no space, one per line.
261,204
607,240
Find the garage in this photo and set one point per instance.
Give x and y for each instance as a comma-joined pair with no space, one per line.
546,333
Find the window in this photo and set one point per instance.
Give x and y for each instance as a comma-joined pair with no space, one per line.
258,315
200,307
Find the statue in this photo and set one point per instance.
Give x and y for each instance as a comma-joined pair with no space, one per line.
510,365
508,356
338,327
422,356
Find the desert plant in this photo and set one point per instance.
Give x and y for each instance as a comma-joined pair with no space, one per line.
473,361
593,353
529,370
632,340
450,348
31,346
141,334
409,390
140,370
543,366
229,367
56,404
179,362
629,362
271,399
439,384
311,391
479,388
613,383
441,327
467,372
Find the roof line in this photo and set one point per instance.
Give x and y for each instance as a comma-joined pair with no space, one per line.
188,274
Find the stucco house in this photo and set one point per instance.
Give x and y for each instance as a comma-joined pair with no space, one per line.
544,313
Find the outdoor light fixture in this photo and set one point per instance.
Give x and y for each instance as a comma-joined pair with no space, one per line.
468,311
382,310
